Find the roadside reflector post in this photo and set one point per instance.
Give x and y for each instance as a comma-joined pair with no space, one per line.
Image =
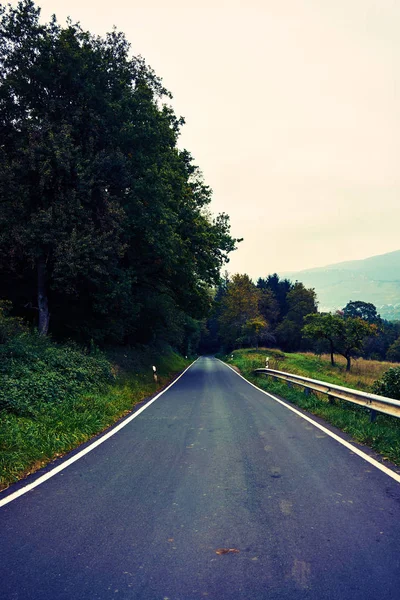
155,373
267,362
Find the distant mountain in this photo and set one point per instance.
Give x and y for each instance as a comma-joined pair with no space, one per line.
375,279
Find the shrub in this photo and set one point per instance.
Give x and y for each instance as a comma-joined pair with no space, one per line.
34,371
389,384
393,352
9,326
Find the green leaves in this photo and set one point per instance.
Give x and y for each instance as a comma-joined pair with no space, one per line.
35,372
389,384
94,189
345,334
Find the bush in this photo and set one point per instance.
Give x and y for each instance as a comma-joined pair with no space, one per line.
389,384
34,371
9,326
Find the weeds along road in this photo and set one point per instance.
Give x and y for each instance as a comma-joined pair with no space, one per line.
212,464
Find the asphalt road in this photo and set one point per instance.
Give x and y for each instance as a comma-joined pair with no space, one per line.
213,463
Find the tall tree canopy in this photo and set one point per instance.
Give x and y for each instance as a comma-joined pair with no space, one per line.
363,310
103,220
300,302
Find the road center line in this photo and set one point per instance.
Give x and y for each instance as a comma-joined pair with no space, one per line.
88,449
354,449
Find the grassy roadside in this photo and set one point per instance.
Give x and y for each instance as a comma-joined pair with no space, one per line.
383,435
31,438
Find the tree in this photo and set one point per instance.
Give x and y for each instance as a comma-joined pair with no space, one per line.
102,218
210,335
363,310
268,306
239,306
56,161
280,289
346,335
350,339
300,302
288,335
377,346
255,328
323,326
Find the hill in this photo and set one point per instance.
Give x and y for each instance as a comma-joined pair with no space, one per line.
375,279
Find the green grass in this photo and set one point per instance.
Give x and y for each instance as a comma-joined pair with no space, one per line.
49,429
383,435
361,377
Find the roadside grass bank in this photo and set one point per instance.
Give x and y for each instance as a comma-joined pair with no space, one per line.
55,397
383,435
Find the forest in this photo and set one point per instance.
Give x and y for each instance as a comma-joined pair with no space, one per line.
275,312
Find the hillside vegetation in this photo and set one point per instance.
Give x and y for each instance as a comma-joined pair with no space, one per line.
383,435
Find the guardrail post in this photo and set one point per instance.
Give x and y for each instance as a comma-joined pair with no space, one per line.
289,384
372,415
307,391
331,399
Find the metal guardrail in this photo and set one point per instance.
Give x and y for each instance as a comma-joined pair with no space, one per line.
373,402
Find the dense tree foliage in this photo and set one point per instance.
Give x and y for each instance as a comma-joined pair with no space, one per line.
300,302
247,314
278,289
239,309
363,310
277,312
104,228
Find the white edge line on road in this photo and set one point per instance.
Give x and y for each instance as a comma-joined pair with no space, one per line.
360,453
88,449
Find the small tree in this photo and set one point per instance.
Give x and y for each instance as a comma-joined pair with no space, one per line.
345,335
323,326
351,336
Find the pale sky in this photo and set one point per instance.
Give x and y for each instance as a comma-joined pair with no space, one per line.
292,112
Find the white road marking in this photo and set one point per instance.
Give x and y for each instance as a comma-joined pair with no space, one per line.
354,449
88,449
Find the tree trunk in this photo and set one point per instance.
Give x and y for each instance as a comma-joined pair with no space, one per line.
348,358
44,315
332,359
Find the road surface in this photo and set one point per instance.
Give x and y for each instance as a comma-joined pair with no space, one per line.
212,464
